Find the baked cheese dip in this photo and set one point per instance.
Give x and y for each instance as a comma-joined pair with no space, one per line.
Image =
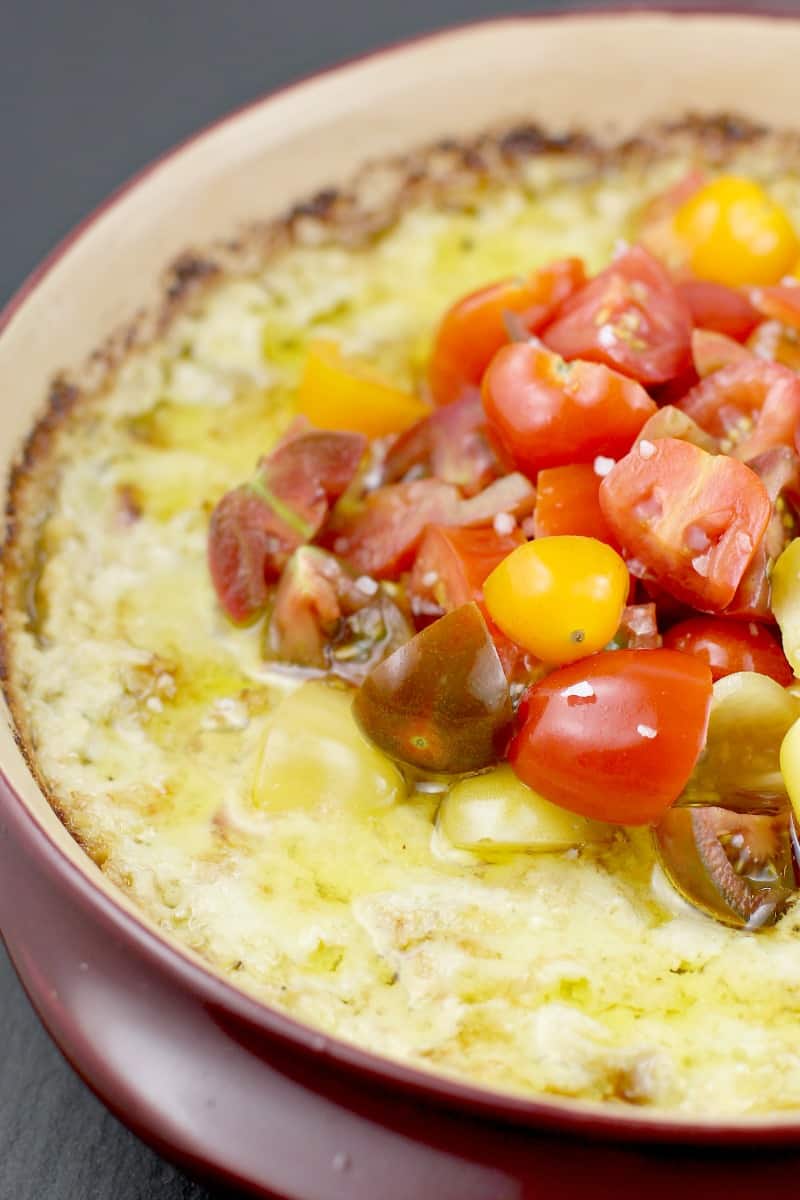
406,618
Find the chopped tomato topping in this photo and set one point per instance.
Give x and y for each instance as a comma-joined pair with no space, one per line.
630,317
338,392
568,501
255,527
452,565
754,405
545,412
616,736
779,471
689,519
731,646
719,308
779,303
451,444
474,329
712,351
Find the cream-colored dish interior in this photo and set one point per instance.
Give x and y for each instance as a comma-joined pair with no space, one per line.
258,163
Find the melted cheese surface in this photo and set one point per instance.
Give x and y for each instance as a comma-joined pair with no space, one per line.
326,889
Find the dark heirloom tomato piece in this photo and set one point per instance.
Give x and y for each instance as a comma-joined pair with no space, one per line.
779,471
694,520
719,308
713,351
451,445
630,317
615,736
441,703
737,868
754,404
545,412
474,329
325,619
730,646
568,502
255,527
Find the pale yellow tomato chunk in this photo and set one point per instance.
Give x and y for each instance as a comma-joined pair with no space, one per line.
790,766
733,232
495,813
559,597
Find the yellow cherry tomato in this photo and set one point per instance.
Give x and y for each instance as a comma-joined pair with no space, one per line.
733,232
337,392
559,597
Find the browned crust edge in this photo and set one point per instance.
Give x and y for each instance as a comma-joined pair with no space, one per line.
350,215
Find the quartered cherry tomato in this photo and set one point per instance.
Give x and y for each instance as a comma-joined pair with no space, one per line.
712,351
568,501
779,471
452,565
731,646
559,597
779,303
692,520
719,308
775,342
736,867
340,392
754,405
733,232
616,736
440,703
451,445
474,329
255,527
630,317
545,412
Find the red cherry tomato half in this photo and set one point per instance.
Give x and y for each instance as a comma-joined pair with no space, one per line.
568,501
451,444
615,736
712,351
717,307
779,303
731,646
545,412
693,520
474,329
630,317
755,404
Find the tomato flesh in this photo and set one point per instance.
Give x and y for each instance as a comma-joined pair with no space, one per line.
451,445
631,317
731,646
693,520
474,329
615,737
452,565
568,502
754,404
548,413
717,307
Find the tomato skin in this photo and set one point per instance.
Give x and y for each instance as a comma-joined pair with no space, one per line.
474,328
779,303
779,471
547,413
719,308
615,737
731,646
693,519
568,501
560,597
630,317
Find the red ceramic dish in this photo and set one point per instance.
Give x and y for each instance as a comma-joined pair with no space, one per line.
207,1075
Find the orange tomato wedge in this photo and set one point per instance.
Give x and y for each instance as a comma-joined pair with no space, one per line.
339,392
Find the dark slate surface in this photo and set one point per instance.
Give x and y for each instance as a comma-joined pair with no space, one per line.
90,90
